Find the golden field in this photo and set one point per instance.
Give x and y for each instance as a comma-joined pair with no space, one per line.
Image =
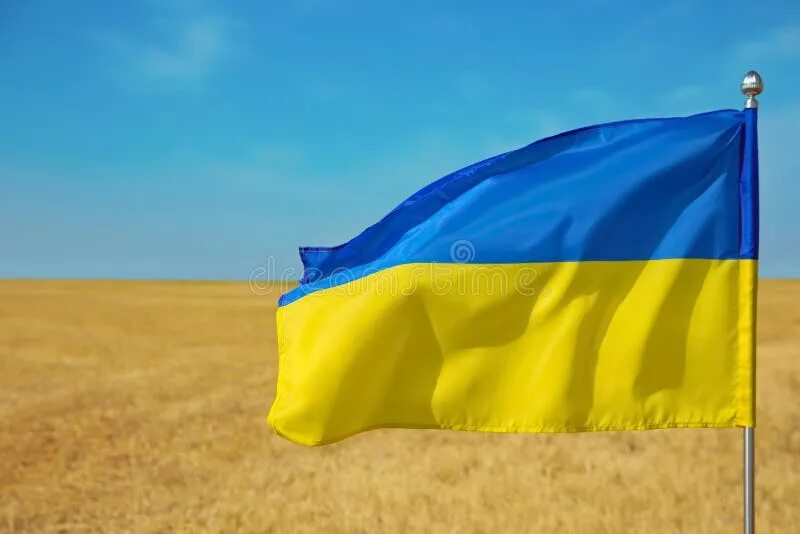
141,407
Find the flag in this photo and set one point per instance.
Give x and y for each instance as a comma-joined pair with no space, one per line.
600,279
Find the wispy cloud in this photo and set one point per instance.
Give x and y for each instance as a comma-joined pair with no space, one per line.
783,43
182,47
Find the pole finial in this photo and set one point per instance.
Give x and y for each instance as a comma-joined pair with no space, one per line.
752,85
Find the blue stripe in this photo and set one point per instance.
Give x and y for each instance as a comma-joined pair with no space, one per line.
632,190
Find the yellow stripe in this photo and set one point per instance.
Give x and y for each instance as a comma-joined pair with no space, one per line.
542,347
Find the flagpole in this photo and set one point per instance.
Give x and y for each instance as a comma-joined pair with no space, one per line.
752,85
749,479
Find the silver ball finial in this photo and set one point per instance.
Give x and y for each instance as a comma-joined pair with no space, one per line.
752,85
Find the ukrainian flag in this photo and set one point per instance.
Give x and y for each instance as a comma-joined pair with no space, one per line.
600,279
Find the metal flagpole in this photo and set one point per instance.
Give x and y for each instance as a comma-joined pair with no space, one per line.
752,85
749,480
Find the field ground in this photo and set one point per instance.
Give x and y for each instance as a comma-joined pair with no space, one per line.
141,407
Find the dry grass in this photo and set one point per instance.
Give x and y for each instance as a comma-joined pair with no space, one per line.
140,406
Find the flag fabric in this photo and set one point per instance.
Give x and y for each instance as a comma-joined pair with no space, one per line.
600,279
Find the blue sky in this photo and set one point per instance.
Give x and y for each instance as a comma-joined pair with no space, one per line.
194,140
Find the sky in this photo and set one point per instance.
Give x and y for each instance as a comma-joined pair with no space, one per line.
208,140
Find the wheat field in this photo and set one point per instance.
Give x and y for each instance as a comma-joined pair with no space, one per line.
141,407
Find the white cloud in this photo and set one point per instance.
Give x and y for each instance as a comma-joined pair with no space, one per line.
781,43
179,48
